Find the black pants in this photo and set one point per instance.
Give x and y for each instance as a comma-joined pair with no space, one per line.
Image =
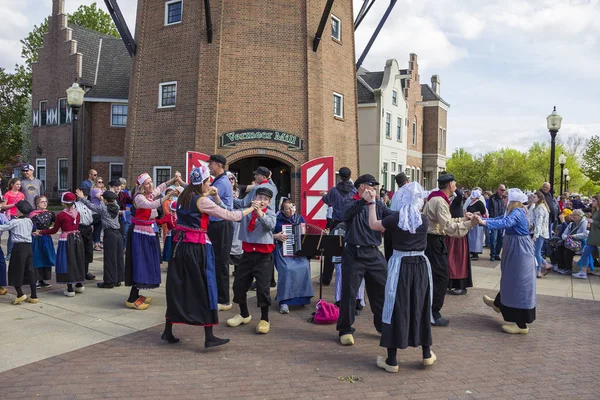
114,262
388,250
254,266
359,263
221,236
20,267
564,257
438,257
88,244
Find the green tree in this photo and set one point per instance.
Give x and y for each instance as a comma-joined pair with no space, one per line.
13,109
591,159
91,17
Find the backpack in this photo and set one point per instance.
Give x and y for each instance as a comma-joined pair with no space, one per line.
326,313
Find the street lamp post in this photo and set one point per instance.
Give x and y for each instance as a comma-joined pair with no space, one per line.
562,159
568,178
553,122
565,174
75,100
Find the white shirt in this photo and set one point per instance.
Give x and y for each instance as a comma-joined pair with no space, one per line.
21,229
85,214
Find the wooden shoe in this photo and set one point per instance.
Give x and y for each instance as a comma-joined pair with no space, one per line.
383,365
146,300
429,361
239,320
490,303
225,307
347,339
137,305
33,301
19,300
514,329
263,327
3,291
79,289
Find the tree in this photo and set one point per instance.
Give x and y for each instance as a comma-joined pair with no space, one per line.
13,108
591,159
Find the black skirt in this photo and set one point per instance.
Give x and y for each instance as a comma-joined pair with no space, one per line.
187,287
72,248
516,315
87,237
43,274
20,268
411,320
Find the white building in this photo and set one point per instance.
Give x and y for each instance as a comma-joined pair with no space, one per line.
382,123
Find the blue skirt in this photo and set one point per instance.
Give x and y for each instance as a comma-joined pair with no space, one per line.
44,254
142,260
167,248
3,281
294,286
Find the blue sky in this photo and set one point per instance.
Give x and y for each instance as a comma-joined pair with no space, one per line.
503,64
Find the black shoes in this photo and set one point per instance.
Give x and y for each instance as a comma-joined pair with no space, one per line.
90,277
103,285
441,321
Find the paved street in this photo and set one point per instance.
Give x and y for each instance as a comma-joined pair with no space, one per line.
92,347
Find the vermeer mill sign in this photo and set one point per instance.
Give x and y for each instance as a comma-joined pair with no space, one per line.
230,139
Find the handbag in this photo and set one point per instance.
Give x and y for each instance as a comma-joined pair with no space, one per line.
573,245
326,313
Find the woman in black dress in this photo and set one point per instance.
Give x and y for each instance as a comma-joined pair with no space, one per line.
408,291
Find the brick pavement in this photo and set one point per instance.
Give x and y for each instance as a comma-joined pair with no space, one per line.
556,360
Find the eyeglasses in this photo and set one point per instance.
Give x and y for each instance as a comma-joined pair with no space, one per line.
232,179
94,174
502,190
43,201
100,182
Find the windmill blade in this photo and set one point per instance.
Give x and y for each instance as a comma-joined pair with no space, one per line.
375,33
367,4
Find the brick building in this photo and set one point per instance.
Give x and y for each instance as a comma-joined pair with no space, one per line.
101,65
257,93
423,154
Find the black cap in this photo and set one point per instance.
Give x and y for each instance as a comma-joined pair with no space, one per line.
108,195
367,179
264,171
446,178
265,191
114,183
85,190
218,158
24,207
345,172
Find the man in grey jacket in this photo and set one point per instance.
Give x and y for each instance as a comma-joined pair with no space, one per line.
256,234
262,179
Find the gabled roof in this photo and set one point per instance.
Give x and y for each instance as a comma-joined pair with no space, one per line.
109,74
429,95
367,83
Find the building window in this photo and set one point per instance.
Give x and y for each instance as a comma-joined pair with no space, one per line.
414,133
399,167
40,170
412,174
440,139
384,174
395,97
338,105
118,115
63,174
173,10
161,175
419,175
399,129
388,123
392,183
43,113
336,28
167,94
62,111
393,167
115,171
444,140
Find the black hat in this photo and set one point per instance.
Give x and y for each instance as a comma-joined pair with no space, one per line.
114,183
367,179
401,179
24,207
445,178
265,191
85,190
264,171
345,172
110,196
218,158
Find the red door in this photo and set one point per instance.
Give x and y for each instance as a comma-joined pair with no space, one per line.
194,159
316,175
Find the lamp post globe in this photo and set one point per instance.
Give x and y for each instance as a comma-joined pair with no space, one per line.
562,159
75,96
553,122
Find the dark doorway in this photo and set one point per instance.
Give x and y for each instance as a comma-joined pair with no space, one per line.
244,170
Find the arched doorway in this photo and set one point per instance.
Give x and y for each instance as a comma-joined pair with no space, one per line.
281,173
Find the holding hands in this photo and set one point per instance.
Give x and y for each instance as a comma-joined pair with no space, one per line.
79,194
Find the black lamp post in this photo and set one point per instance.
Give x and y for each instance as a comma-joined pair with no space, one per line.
565,174
75,100
553,120
562,159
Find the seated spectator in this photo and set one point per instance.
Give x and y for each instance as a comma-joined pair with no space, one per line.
573,237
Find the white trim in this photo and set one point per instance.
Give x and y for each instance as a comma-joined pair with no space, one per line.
110,166
167,12
367,105
160,87
111,114
341,96
40,109
58,175
154,179
435,103
58,111
37,170
98,62
339,21
103,100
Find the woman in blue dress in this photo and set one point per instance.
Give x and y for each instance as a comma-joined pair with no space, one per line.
294,286
516,299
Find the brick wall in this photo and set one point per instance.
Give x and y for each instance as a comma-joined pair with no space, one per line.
415,113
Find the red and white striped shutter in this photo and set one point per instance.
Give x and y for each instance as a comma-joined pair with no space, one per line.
194,159
316,175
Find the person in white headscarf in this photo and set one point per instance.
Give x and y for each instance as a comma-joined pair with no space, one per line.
406,313
516,299
476,206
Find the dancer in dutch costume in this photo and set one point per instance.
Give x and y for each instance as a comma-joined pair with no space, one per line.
44,254
70,261
516,299
142,257
409,287
459,263
191,280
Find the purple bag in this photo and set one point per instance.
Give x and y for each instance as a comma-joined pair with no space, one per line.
326,313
